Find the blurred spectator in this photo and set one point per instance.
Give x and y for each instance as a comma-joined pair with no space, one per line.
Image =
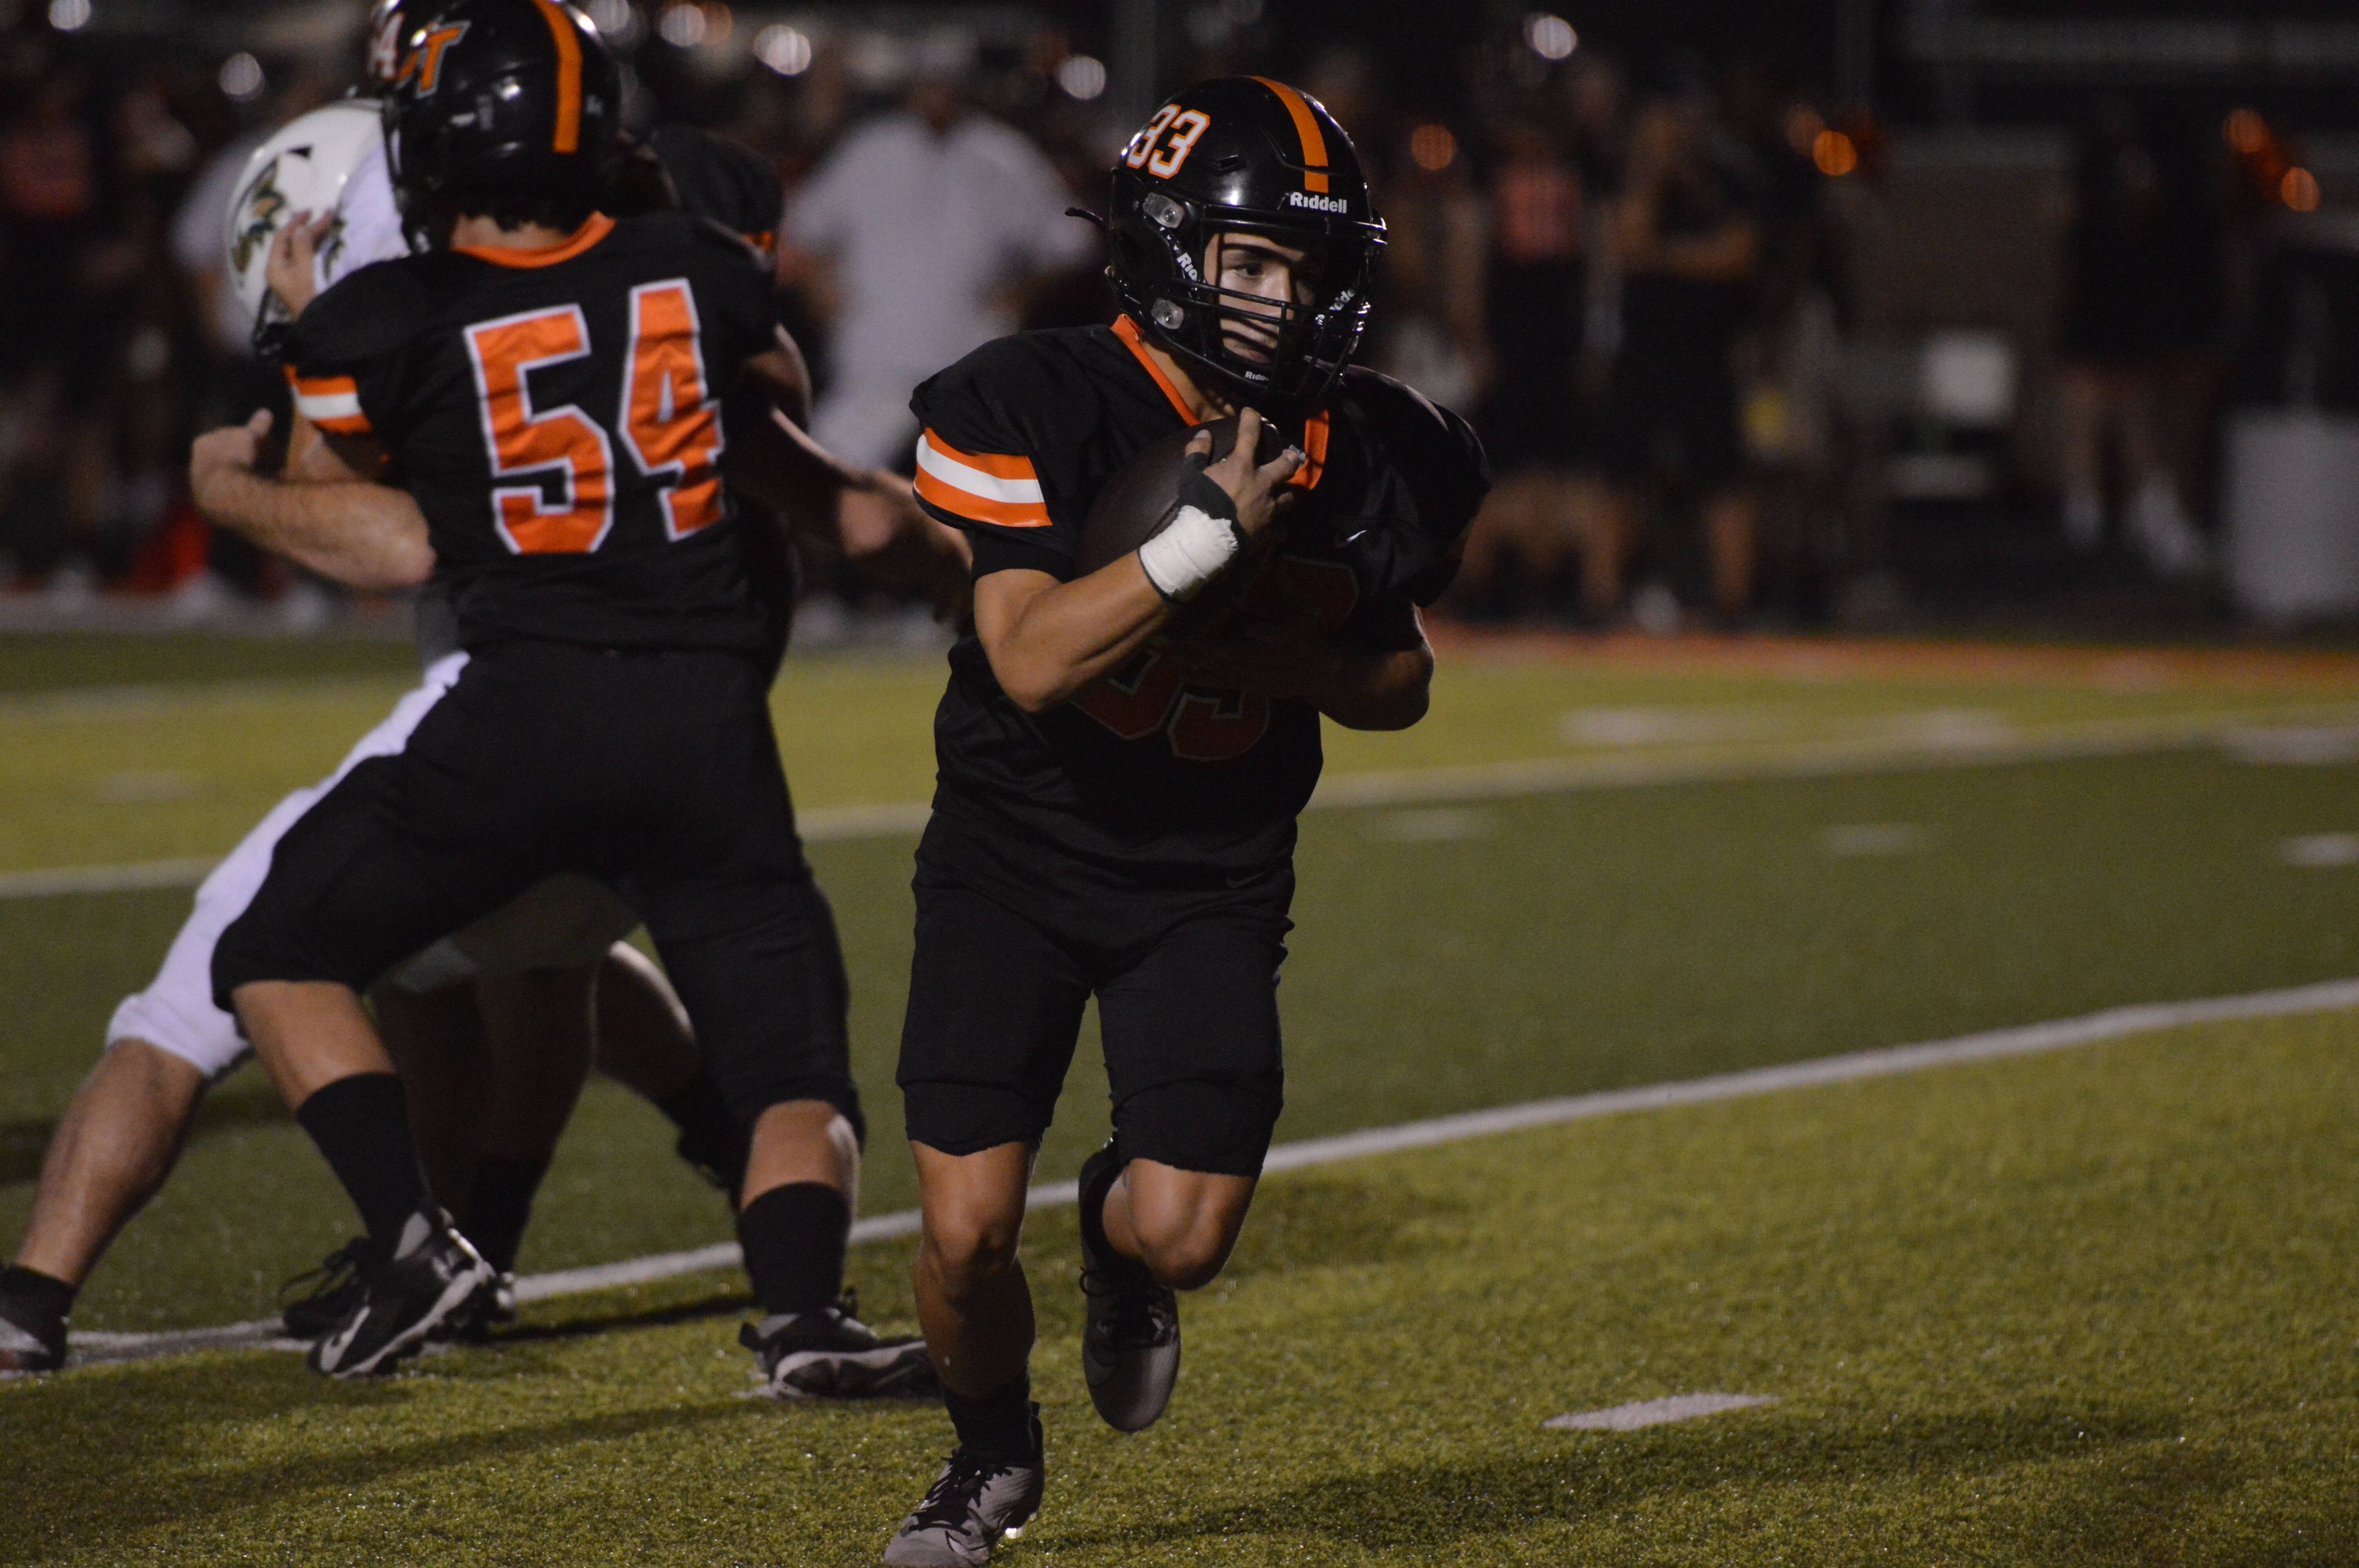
1546,221
927,221
51,201
1688,245
2143,298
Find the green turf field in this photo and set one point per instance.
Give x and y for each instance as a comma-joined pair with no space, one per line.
1991,1300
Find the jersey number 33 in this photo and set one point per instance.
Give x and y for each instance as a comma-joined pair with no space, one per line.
553,469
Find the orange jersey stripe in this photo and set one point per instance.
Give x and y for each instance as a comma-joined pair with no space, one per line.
1306,127
996,465
1314,453
980,509
1128,332
321,386
350,425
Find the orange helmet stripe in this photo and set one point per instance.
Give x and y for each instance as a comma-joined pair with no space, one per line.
569,77
1306,125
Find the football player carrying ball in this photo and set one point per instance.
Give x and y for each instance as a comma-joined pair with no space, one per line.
1119,783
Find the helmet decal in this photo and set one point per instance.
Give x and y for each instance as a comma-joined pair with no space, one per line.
423,64
1306,125
1186,131
569,77
1143,144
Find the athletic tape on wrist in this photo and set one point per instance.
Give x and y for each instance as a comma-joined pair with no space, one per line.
1190,551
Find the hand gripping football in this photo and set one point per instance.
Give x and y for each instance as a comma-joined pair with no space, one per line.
1137,503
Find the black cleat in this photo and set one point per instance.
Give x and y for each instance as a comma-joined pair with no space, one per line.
1130,1342
974,1504
828,1354
30,1340
485,1312
433,1277
336,1290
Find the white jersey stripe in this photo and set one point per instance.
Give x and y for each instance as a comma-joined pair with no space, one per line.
975,482
320,407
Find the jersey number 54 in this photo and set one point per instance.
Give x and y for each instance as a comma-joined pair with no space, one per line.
562,460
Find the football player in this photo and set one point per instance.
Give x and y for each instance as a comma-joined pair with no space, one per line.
557,390
1118,785
536,965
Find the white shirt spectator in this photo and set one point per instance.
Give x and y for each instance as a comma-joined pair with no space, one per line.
929,234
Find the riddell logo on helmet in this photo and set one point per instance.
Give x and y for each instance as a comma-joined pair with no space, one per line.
1318,203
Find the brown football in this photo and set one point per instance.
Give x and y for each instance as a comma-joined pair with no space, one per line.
1131,510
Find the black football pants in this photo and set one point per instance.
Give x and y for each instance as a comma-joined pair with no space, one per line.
654,772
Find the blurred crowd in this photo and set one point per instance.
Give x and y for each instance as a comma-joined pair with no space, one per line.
1642,280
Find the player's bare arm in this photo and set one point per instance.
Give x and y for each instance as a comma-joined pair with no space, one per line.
324,512
1047,640
812,490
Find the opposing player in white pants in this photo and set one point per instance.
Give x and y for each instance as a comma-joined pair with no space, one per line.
167,1044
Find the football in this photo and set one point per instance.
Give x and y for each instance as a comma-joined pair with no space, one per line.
1134,504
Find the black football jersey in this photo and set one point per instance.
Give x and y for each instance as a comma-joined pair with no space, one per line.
1141,772
727,181
561,417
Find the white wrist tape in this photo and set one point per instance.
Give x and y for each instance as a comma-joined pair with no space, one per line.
1190,552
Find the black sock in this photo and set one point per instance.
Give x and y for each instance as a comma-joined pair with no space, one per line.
51,1297
998,1425
709,1137
498,1205
794,1238
362,1124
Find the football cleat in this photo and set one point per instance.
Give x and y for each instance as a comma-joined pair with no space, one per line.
1130,1342
30,1341
974,1504
336,1290
434,1276
829,1354
489,1310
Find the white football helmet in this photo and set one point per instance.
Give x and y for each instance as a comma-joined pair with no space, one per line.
303,167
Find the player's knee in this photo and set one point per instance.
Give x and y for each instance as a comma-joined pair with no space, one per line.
971,1243
1187,1249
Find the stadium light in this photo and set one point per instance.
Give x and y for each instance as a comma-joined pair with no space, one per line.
785,49
682,26
70,16
616,20
1083,76
1550,36
241,77
1432,149
2298,191
1835,154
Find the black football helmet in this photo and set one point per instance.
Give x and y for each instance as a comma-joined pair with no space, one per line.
497,104
1245,153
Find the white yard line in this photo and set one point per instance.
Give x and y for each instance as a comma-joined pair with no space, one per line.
2113,1023
1410,786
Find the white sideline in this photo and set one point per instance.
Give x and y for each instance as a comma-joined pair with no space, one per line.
2113,1023
1406,787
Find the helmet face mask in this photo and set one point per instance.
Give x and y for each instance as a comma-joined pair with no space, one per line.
1250,160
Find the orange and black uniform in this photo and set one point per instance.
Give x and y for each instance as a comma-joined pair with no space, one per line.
561,418
1136,842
